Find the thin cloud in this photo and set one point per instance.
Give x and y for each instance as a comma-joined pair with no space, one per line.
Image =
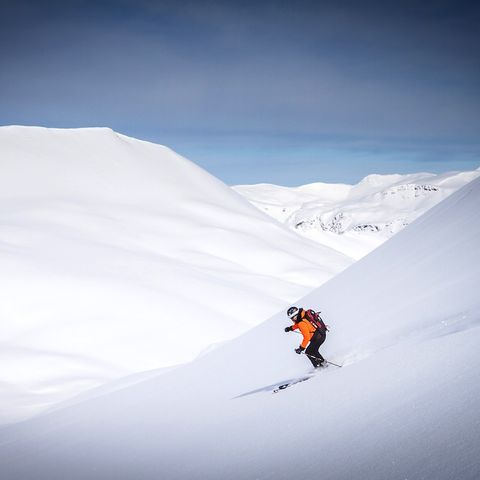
216,70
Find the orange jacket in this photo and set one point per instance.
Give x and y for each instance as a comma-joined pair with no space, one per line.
306,328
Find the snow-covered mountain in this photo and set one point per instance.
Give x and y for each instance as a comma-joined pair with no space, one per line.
119,256
405,322
355,218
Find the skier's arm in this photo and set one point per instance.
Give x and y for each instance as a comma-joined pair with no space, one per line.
305,332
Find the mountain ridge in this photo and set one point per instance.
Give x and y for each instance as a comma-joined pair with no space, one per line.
364,215
105,240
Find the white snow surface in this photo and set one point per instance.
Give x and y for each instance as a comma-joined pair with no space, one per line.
405,324
355,219
119,256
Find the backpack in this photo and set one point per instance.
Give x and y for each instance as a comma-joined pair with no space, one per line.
316,320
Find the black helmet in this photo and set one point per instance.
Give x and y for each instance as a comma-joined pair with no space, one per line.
292,311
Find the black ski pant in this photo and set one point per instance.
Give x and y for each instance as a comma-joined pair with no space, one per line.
312,349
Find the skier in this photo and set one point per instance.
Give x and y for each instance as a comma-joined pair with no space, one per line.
314,333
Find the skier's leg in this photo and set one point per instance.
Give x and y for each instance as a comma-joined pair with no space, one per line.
322,336
312,349
311,356
312,352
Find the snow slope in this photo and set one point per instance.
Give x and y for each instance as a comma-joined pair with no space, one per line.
118,256
404,321
355,218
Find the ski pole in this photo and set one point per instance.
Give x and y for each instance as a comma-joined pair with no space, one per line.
326,361
334,364
316,358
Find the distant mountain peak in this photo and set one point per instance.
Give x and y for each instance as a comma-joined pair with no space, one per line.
365,214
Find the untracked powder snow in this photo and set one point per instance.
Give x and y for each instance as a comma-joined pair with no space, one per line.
120,256
404,323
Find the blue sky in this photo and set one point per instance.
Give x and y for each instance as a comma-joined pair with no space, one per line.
286,92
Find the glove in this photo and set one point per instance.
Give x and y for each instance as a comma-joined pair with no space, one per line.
288,329
299,350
